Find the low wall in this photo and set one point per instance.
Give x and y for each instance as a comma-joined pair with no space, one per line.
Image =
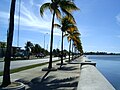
92,79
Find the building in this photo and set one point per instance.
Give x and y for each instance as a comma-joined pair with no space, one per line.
3,49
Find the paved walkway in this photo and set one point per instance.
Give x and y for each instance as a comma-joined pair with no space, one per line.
62,79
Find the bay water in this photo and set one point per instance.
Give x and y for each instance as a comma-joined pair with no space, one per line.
109,66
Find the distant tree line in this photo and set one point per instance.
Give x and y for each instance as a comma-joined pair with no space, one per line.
57,52
35,48
100,53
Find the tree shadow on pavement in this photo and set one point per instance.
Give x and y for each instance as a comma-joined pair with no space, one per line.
51,83
67,68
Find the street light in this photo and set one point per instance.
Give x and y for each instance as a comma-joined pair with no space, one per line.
44,39
58,44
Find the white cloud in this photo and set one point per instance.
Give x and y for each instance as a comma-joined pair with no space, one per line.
30,21
28,18
43,1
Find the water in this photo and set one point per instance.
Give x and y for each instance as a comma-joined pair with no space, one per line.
109,66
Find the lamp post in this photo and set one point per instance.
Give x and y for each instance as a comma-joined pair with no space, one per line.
44,39
58,44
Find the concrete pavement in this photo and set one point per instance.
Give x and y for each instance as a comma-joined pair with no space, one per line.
72,76
62,79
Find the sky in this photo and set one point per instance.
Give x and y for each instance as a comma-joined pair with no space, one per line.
97,20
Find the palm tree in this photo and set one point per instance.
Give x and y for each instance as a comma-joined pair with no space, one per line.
76,44
79,47
66,6
66,25
72,35
6,73
28,48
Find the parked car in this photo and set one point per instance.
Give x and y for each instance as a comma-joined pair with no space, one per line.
40,55
59,55
21,54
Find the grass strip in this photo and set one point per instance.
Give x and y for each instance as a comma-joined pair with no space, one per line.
26,67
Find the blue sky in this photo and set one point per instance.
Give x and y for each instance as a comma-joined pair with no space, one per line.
98,22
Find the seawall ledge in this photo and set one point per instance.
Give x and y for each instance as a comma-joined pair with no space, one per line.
92,79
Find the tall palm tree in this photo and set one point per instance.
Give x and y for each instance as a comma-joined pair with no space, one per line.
79,47
6,73
72,35
66,6
76,43
66,25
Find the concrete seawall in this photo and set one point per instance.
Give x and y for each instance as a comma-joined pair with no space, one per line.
92,79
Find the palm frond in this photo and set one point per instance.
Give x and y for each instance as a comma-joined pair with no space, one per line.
68,38
76,33
57,26
68,20
58,13
72,28
65,35
50,8
44,7
67,13
68,6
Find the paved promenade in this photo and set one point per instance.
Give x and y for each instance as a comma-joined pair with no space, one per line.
62,79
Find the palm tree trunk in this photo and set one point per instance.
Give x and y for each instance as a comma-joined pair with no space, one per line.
51,43
2,52
75,52
72,51
6,73
69,50
62,50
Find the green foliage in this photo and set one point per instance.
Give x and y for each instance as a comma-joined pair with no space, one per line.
56,51
35,48
3,44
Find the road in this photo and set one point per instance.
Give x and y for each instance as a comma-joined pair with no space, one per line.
21,63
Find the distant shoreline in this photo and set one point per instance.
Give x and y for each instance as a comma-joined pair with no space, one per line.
100,53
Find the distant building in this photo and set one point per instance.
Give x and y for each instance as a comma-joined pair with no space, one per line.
15,50
3,49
